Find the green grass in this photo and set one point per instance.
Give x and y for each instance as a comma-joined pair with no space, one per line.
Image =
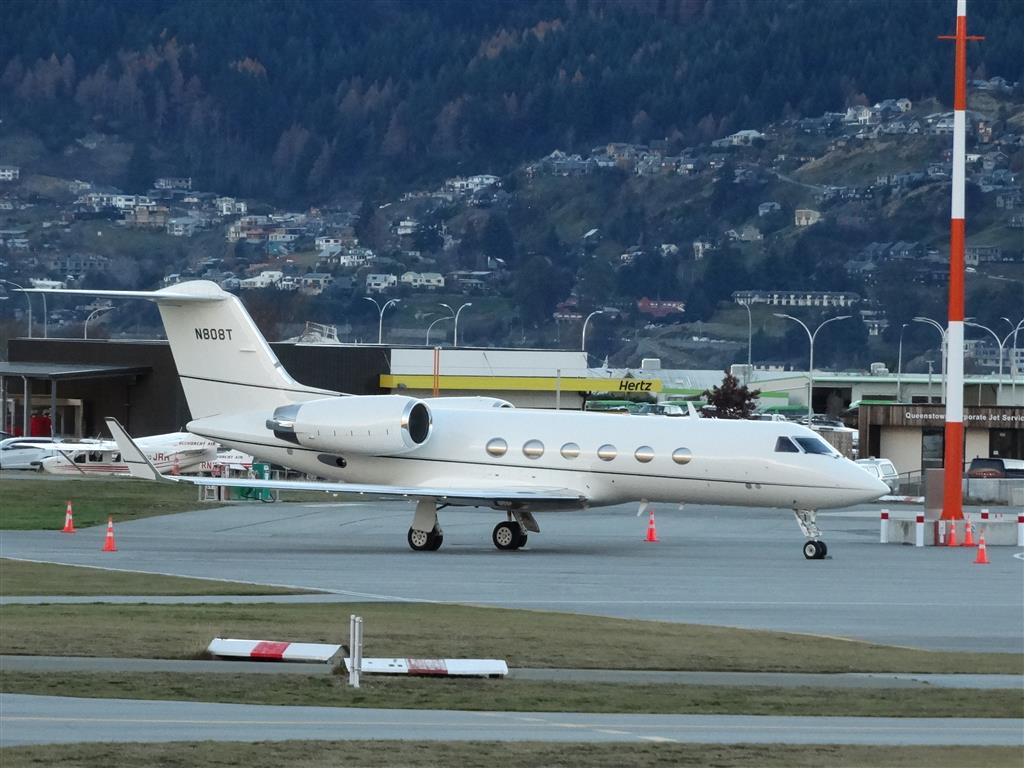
519,695
38,503
518,754
523,638
25,578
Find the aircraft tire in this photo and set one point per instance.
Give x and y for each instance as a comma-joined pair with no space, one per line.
823,550
811,550
522,540
419,541
507,535
436,540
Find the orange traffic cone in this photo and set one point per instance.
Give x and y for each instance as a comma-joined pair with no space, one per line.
982,558
108,544
968,534
69,520
652,532
951,536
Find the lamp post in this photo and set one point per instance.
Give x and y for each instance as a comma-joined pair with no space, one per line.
456,313
899,367
942,348
1013,357
750,334
27,298
583,336
1001,343
85,328
431,326
810,370
381,310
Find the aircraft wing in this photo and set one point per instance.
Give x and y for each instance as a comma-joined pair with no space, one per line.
141,467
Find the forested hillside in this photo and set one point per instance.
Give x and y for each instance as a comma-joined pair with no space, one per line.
302,100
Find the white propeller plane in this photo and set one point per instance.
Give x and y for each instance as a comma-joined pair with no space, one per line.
175,452
474,451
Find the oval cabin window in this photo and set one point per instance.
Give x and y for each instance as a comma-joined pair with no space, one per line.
533,449
644,454
682,455
607,452
497,447
570,451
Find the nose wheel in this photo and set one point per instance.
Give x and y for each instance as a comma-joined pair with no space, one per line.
815,550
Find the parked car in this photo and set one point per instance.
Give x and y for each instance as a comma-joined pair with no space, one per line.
19,453
883,469
993,467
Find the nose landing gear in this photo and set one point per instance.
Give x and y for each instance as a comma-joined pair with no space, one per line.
815,549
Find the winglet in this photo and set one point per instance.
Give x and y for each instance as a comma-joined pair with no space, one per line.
138,463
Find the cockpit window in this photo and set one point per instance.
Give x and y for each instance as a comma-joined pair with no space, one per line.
814,445
785,445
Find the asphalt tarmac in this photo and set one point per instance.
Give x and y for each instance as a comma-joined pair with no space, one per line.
54,720
711,565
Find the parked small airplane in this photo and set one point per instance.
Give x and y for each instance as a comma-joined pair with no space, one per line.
474,451
175,452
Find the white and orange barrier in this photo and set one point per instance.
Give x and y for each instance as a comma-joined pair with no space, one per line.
268,650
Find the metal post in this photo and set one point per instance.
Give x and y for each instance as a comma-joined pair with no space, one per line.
884,533
26,405
750,336
586,321
46,318
919,531
899,368
355,649
27,298
558,389
53,408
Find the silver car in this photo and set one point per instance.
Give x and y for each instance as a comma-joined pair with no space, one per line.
23,453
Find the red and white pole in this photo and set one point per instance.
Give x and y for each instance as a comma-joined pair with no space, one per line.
952,506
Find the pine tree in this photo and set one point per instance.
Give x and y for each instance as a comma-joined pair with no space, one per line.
731,401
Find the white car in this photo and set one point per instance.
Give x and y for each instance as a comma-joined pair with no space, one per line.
21,453
882,469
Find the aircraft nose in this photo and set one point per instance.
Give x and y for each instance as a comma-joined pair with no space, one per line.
872,486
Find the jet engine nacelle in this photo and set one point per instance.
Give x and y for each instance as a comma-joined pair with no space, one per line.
373,424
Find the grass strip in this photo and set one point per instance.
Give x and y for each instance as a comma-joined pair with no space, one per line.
520,695
523,638
386,754
33,504
18,577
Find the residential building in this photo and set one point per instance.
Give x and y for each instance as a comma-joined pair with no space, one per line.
378,283
182,226
805,217
429,280
797,298
10,173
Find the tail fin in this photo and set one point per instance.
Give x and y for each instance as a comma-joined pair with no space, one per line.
138,463
225,364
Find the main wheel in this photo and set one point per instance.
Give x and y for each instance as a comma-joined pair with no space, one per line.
522,540
507,535
421,541
823,550
811,550
436,540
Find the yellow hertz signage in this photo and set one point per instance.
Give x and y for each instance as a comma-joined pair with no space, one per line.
520,383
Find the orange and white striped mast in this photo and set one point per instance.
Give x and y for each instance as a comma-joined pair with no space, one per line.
952,506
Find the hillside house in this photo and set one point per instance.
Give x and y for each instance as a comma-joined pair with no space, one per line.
182,226
796,298
805,217
173,182
428,280
10,173
268,278
378,283
314,283
658,308
766,208
229,206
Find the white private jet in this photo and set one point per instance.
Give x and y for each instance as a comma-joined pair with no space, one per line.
474,451
175,452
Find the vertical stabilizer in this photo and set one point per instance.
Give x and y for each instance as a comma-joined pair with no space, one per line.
225,364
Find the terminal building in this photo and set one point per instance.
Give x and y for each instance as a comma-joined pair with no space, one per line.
79,382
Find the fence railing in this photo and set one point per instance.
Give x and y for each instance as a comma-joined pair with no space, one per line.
982,490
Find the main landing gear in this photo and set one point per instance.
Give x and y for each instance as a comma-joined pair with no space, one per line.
815,549
425,535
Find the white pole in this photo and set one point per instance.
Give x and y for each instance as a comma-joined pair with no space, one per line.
558,389
919,531
355,649
884,533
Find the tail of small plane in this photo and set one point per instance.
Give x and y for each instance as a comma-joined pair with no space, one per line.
225,364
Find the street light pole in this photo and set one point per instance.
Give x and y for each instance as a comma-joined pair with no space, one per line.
85,328
1013,357
431,326
750,335
456,313
810,371
27,298
381,310
942,348
899,367
1001,343
583,337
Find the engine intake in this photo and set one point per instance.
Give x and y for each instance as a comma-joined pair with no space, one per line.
372,424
